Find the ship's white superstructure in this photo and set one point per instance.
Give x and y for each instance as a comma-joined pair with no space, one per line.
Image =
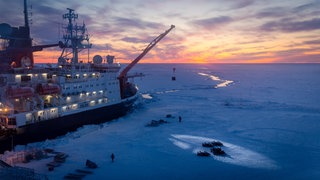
43,101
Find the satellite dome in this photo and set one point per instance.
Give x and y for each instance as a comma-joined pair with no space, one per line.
5,30
97,59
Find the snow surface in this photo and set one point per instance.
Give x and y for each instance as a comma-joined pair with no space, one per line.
267,116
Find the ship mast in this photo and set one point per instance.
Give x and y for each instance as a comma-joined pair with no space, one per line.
26,18
74,36
26,26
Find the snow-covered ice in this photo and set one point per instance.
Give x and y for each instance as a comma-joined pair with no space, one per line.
267,116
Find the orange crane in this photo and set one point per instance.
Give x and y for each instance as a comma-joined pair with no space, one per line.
123,78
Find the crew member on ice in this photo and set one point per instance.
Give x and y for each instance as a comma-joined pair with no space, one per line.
112,157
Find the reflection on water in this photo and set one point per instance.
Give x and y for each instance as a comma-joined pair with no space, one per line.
224,83
146,96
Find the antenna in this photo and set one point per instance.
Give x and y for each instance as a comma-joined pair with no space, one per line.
26,19
74,35
30,15
70,15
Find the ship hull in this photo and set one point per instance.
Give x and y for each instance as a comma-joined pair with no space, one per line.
53,128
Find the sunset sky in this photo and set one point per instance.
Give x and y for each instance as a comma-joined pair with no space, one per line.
207,31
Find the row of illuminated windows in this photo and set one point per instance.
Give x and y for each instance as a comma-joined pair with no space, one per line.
78,76
88,85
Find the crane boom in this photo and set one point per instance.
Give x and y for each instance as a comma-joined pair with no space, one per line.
127,89
124,72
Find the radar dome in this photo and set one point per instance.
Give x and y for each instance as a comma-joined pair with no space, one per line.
97,59
5,30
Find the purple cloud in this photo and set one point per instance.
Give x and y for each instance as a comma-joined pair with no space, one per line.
133,40
242,4
212,23
274,12
14,19
313,42
306,7
300,58
287,25
136,23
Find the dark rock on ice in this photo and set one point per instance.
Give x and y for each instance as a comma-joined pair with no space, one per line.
203,153
91,164
218,151
212,144
154,123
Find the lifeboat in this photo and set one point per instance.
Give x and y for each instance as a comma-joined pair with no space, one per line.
17,92
45,89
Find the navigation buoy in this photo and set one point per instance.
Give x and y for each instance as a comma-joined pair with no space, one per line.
174,74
